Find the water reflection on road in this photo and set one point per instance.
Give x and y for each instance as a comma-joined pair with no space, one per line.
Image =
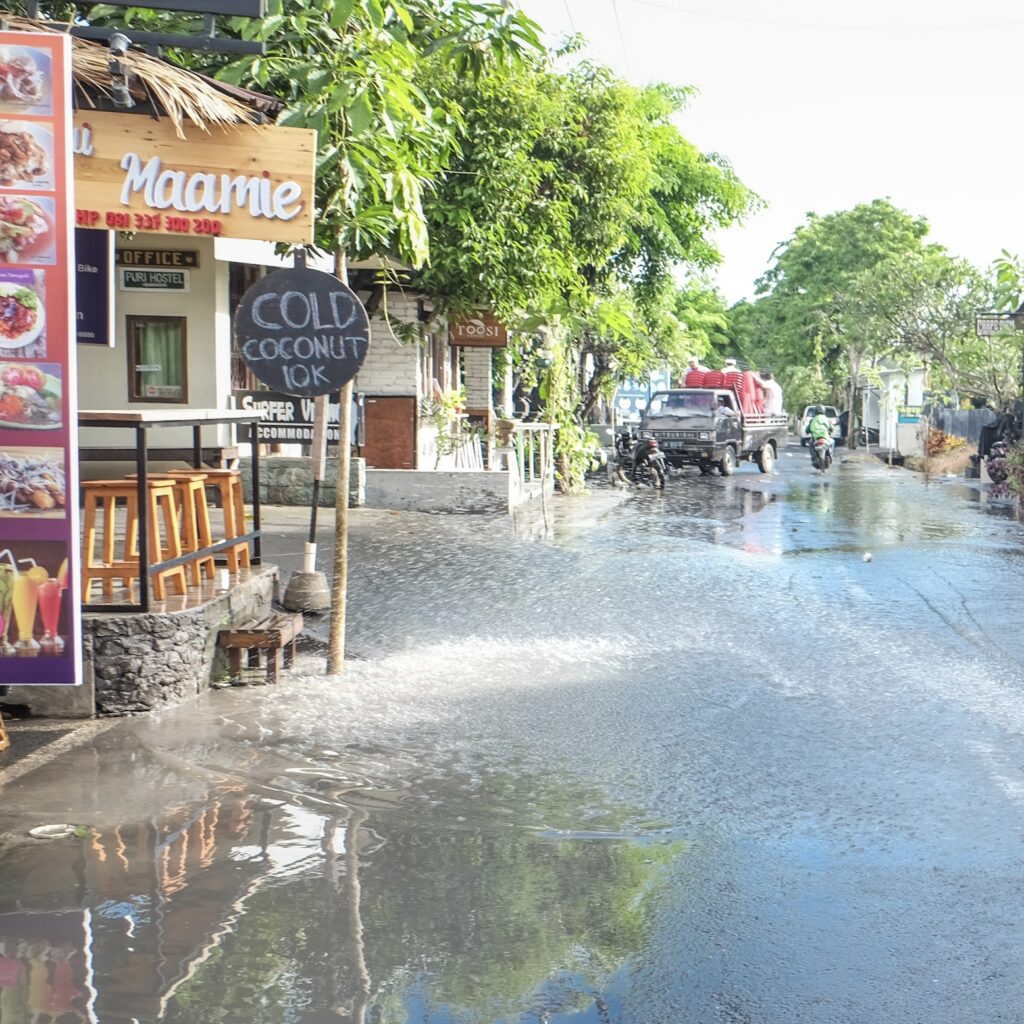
300,891
743,751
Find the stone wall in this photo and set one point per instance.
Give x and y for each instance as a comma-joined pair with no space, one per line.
134,663
288,480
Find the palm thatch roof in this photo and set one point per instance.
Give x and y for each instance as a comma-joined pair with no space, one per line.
163,88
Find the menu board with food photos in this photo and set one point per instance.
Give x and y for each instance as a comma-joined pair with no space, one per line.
39,591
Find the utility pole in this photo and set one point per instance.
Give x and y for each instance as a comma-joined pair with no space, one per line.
339,582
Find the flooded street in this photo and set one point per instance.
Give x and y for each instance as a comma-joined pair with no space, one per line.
748,751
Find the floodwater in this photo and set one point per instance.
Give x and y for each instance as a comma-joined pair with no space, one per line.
746,752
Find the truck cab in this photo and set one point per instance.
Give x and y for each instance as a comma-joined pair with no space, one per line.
707,428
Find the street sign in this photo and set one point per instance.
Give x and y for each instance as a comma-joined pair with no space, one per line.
481,331
302,332
992,323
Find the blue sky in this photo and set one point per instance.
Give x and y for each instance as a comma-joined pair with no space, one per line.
820,106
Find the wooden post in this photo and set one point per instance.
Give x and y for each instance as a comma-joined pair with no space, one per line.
339,582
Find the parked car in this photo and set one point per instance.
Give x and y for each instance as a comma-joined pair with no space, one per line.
805,421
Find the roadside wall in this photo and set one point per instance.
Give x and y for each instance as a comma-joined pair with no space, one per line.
966,423
288,480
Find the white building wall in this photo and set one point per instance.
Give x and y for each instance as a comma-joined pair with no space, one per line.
103,372
392,366
476,364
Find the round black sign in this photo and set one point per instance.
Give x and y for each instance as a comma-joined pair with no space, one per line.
302,332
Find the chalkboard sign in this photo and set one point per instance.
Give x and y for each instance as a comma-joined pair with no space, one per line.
302,332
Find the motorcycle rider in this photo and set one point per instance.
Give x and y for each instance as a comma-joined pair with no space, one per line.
820,426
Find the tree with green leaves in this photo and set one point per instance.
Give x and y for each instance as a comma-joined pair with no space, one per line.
349,69
805,317
571,203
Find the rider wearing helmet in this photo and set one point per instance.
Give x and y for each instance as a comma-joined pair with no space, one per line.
820,426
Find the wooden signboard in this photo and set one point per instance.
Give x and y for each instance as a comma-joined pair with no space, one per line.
133,173
480,331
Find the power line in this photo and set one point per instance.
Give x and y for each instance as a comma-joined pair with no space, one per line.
887,27
572,20
622,38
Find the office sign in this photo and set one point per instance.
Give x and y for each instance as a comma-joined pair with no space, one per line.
302,332
40,634
138,174
161,259
94,287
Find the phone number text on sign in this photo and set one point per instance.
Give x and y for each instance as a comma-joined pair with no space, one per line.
122,220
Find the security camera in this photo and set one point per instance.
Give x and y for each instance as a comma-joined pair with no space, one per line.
118,44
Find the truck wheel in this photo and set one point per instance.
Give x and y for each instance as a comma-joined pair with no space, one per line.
728,464
766,458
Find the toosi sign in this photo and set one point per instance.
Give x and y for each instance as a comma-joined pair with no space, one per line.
479,331
137,174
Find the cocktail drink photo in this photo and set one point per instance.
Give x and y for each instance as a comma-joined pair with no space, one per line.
50,593
8,572
26,602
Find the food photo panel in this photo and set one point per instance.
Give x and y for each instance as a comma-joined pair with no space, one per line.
27,230
32,483
22,313
30,396
26,155
25,77
34,612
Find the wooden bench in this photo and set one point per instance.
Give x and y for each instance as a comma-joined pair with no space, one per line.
274,637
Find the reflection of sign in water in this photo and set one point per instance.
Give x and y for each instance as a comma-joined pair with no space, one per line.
302,332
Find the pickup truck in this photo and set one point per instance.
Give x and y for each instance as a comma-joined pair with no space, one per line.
693,430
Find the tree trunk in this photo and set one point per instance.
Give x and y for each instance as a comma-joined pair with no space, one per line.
851,398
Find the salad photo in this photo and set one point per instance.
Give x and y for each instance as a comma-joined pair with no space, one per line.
30,396
26,234
21,315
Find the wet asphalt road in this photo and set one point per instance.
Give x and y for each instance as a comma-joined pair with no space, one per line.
748,751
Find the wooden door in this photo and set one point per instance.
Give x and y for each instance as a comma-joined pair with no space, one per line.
390,425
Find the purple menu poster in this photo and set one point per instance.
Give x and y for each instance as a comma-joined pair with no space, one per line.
40,628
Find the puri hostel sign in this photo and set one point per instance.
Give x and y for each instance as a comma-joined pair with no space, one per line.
134,173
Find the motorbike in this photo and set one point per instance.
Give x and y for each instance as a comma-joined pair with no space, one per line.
639,459
821,454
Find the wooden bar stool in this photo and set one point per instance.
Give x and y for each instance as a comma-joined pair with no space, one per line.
193,518
232,500
102,499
